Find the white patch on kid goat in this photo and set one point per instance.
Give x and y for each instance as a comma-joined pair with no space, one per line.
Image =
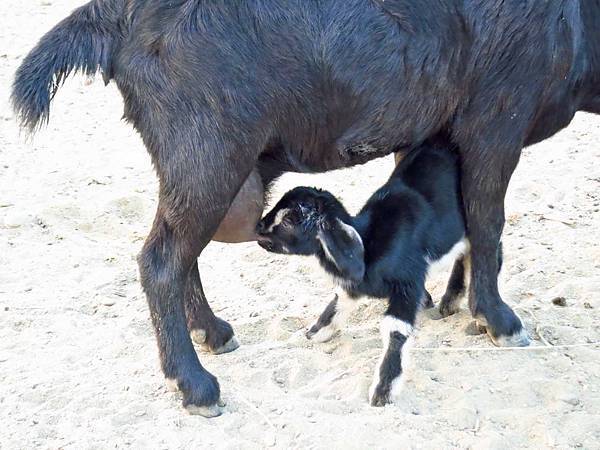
278,219
390,324
459,249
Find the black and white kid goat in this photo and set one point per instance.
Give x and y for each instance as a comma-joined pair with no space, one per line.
414,220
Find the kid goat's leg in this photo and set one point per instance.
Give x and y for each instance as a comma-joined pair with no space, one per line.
332,318
455,289
397,328
427,301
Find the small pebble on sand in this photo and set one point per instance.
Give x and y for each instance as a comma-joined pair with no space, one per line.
559,301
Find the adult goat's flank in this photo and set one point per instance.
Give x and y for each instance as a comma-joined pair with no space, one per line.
229,95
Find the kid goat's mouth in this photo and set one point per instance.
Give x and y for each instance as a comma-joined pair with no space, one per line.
266,243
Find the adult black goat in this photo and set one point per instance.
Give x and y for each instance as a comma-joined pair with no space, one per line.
223,92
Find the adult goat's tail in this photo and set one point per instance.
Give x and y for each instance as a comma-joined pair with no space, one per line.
84,42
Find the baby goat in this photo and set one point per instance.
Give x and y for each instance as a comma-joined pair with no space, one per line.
386,251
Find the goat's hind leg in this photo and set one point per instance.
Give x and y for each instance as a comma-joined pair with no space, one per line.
211,333
189,212
164,264
455,290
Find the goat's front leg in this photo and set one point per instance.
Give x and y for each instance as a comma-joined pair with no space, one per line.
332,318
485,174
396,329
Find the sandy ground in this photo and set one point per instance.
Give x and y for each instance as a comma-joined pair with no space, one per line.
78,361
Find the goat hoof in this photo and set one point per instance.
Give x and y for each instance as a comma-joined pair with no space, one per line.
517,339
448,309
229,346
320,335
201,394
204,411
380,393
503,326
207,411
379,399
217,338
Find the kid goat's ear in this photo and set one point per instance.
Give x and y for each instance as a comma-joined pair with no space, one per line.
344,248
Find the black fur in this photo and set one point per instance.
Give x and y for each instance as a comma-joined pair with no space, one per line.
413,220
218,88
454,290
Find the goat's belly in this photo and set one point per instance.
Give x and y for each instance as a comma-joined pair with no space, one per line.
445,262
323,158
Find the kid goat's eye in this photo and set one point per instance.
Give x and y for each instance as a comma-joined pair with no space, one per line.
288,220
292,218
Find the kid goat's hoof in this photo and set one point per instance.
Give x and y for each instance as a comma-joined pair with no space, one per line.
379,399
320,335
